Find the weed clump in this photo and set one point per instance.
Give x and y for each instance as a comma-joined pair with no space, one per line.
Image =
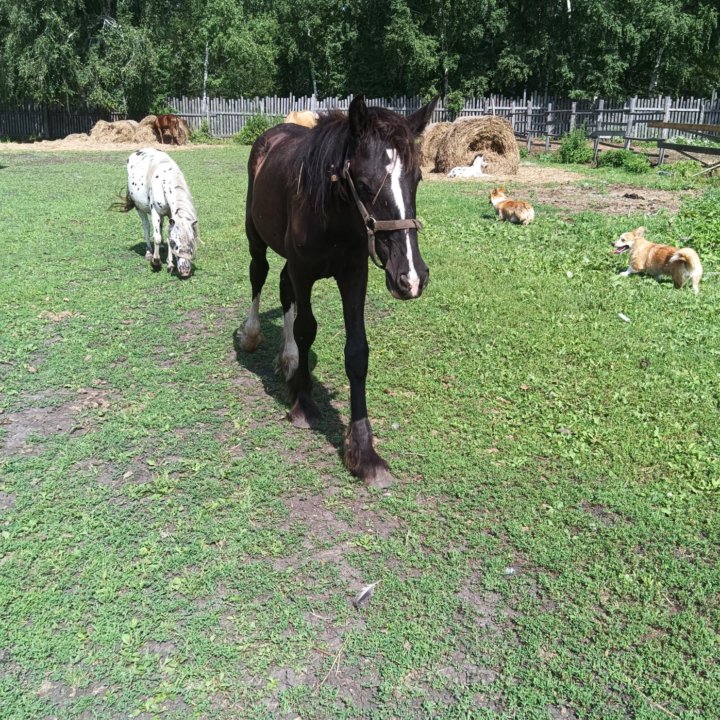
625,159
574,148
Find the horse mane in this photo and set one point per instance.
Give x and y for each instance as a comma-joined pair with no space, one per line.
329,146
183,197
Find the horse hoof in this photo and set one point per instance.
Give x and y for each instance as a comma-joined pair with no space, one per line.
156,263
361,459
148,255
380,478
248,342
304,414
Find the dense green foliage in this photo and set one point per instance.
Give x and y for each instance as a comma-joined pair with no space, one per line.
254,127
626,159
128,55
574,148
170,547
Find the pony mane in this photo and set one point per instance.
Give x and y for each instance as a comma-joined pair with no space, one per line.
330,146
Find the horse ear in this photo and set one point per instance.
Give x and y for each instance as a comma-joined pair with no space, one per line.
359,116
419,119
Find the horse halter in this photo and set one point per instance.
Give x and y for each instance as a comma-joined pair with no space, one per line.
371,224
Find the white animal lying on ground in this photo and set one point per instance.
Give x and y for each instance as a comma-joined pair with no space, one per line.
475,170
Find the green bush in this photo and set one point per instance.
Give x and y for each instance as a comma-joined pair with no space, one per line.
254,127
574,148
685,168
201,134
698,222
625,159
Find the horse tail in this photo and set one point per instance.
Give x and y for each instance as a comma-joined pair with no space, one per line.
125,204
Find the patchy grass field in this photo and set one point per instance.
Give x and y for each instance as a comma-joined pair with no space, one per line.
171,547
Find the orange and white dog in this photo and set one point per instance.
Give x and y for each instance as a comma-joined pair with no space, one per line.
681,264
514,211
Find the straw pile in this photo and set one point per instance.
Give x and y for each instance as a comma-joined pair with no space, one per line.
487,135
145,132
120,131
430,142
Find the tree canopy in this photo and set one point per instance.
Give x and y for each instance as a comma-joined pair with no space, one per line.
129,55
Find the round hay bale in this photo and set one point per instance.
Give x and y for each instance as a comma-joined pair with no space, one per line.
183,133
487,135
76,137
148,120
112,132
430,142
145,134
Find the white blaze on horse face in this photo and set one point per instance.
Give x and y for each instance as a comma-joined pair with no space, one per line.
394,169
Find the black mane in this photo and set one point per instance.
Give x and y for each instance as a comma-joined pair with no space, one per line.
329,146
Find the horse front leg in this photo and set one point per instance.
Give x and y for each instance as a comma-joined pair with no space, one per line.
146,230
360,457
157,239
303,410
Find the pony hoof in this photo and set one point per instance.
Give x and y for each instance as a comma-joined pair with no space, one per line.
148,255
156,263
304,414
248,342
361,459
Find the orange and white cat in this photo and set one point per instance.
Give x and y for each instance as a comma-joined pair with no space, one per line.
681,264
514,211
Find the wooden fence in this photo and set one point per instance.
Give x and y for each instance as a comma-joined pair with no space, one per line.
39,121
531,117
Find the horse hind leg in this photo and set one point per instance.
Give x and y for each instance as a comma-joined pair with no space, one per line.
303,412
287,359
249,335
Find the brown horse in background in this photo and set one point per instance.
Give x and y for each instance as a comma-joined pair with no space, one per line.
168,124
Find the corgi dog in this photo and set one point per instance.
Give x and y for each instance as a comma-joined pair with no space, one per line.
681,264
514,211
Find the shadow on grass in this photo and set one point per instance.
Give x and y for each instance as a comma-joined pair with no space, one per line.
262,363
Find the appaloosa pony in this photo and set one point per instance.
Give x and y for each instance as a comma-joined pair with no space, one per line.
157,187
325,199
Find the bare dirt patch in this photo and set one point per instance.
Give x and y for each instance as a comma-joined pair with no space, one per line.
40,420
527,173
615,200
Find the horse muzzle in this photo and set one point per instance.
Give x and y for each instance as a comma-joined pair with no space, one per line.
407,286
184,267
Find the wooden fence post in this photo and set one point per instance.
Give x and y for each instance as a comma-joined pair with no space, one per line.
512,115
629,124
664,132
573,116
528,124
599,119
548,127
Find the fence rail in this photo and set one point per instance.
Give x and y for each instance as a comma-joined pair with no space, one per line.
531,116
39,121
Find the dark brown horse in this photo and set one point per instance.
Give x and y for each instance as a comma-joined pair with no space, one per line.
169,124
325,199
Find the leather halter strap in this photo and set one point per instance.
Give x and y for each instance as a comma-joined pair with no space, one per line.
372,225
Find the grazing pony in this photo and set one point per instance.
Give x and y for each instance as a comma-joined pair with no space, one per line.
325,199
306,118
157,187
167,124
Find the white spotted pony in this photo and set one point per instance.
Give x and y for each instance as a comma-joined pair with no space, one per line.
157,187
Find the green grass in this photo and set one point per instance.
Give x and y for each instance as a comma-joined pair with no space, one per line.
170,547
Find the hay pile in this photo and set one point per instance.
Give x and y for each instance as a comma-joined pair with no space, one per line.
487,135
430,142
120,131
130,131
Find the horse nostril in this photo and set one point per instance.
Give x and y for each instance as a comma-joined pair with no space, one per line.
403,282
